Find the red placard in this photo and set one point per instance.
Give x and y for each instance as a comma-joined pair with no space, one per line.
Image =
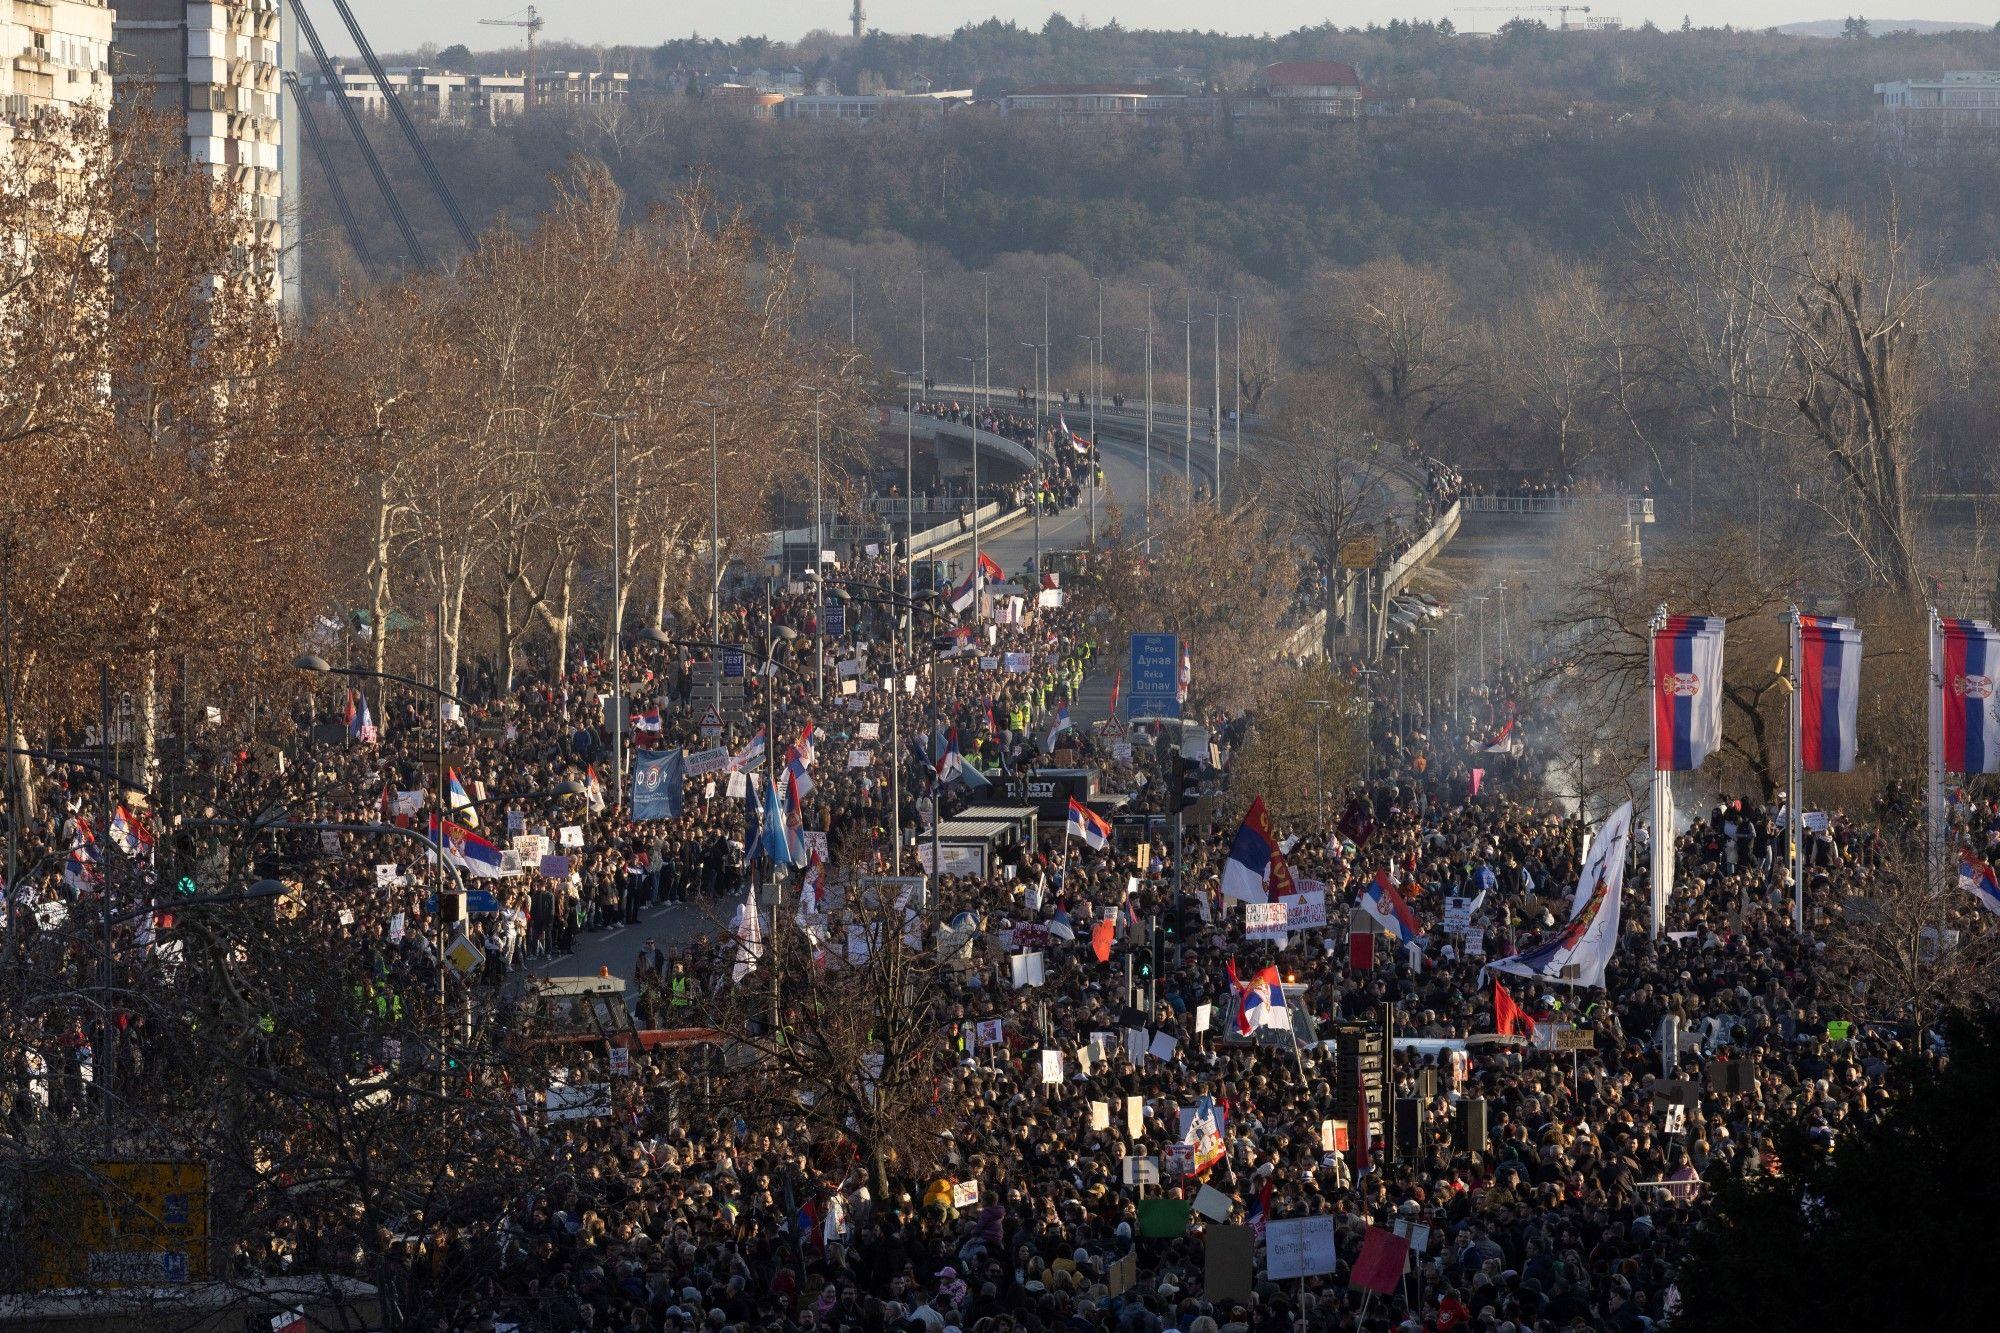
1380,1267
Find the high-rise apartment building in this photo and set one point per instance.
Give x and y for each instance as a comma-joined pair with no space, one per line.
54,56
219,63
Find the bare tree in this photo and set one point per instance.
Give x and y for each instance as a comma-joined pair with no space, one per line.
1913,947
1855,320
1553,361
1397,326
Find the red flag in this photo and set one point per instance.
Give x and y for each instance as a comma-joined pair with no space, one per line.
1508,1016
1116,681
1384,1255
1360,952
1100,939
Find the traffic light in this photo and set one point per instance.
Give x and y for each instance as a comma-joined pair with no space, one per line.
1186,783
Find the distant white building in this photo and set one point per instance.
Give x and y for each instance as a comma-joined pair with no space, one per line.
870,106
55,56
1960,98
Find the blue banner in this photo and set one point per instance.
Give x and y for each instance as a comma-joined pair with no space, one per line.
836,620
732,664
1156,677
657,784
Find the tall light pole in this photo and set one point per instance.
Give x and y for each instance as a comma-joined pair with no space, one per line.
1040,468
618,420
923,333
1090,460
714,535
819,547
1239,382
909,493
850,307
1187,386
1215,415
1146,331
1048,348
1096,364
972,369
1149,420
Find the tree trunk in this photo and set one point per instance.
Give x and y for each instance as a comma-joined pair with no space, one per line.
378,593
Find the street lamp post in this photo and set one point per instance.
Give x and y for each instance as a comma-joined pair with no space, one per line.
1040,467
1215,416
714,535
973,364
1186,322
1090,461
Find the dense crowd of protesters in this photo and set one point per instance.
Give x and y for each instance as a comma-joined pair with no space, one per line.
1570,1210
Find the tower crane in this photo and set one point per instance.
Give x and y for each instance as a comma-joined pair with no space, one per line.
530,19
1564,10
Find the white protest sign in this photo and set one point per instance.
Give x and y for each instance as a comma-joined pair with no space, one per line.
396,928
1135,1117
1297,1247
385,876
1204,1014
991,1032
1052,1066
964,1193
703,762
1306,910
1135,1045
1140,1170
1212,1203
1457,915
1028,970
1164,1045
621,1061
571,835
1100,1116
578,1101
738,785
868,731
860,758
1264,921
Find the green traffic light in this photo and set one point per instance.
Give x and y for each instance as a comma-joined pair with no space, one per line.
186,887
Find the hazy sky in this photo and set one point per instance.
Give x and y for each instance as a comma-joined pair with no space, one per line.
402,24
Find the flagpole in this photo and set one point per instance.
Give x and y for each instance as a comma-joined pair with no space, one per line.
1794,815
1934,770
1663,784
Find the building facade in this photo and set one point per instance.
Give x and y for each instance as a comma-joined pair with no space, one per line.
1960,98
219,64
55,57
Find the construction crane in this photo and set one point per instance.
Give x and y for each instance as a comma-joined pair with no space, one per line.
533,23
1564,10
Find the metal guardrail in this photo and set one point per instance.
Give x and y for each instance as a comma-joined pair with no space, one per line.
1640,507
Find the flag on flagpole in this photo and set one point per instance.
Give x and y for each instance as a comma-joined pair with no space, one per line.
1977,878
1057,728
1969,682
1250,856
467,850
1687,685
1502,741
1260,1002
1829,683
593,792
459,800
1384,904
1577,954
1087,824
1116,681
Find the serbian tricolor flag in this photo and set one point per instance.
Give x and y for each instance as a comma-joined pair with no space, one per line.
1382,902
1260,1003
1116,681
467,850
1687,691
1503,740
1250,857
459,800
1977,878
1968,652
1087,824
1258,1216
1829,657
1509,1019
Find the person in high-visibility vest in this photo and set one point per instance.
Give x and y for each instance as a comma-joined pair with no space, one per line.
680,989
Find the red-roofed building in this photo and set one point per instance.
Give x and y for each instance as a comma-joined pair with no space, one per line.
1314,88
